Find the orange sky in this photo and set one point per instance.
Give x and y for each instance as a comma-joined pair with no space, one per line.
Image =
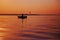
36,6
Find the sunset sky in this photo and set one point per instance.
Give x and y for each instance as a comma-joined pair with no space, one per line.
35,6
33,27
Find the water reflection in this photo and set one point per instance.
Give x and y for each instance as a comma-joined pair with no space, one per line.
33,28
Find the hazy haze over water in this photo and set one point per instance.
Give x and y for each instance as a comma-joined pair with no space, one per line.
33,28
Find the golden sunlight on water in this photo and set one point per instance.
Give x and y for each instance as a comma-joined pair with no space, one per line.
33,28
3,33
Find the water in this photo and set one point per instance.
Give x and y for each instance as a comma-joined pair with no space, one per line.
33,28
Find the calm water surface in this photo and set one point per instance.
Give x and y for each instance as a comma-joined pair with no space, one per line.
33,28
